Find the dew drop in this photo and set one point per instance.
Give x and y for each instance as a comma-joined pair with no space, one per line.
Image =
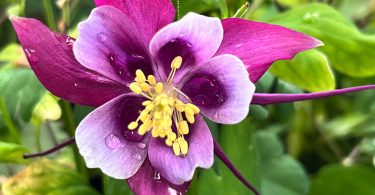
111,58
101,37
138,57
75,84
188,44
69,42
173,40
238,45
311,17
112,141
156,175
137,156
31,56
141,145
201,100
182,34
132,136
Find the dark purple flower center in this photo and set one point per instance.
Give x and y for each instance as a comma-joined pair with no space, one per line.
176,47
205,91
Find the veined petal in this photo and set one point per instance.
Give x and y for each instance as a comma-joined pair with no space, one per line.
258,44
148,15
105,142
195,38
221,88
277,98
178,170
51,58
110,43
148,181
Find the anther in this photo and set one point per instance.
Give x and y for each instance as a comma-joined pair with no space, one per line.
135,88
133,125
176,63
159,87
140,75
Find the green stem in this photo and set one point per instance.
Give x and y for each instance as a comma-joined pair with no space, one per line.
254,6
70,128
240,13
66,15
9,123
37,137
21,12
223,8
49,13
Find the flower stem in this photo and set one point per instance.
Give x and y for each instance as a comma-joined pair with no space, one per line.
49,13
9,123
277,98
70,128
220,153
51,150
223,9
21,11
240,13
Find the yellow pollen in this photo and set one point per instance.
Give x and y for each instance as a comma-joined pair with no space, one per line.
164,109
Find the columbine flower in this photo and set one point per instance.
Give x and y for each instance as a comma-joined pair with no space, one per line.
152,80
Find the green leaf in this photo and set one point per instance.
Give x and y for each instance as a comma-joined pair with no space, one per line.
47,177
291,3
11,53
21,91
260,158
280,173
308,70
114,186
349,51
337,179
47,108
12,153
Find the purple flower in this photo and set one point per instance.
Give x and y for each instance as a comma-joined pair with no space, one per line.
153,80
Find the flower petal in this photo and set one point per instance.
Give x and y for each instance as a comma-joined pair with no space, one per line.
221,89
51,58
277,98
105,142
258,44
148,15
195,38
178,170
109,43
148,181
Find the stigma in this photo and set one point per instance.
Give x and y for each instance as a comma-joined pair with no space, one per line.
163,109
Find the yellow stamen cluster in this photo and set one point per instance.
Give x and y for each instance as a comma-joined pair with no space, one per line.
163,108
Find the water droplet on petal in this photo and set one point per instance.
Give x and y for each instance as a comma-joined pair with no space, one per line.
101,37
137,156
132,136
141,145
173,40
156,175
181,34
31,56
188,44
69,41
75,84
238,45
114,142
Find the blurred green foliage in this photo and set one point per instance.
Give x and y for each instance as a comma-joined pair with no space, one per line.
316,147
